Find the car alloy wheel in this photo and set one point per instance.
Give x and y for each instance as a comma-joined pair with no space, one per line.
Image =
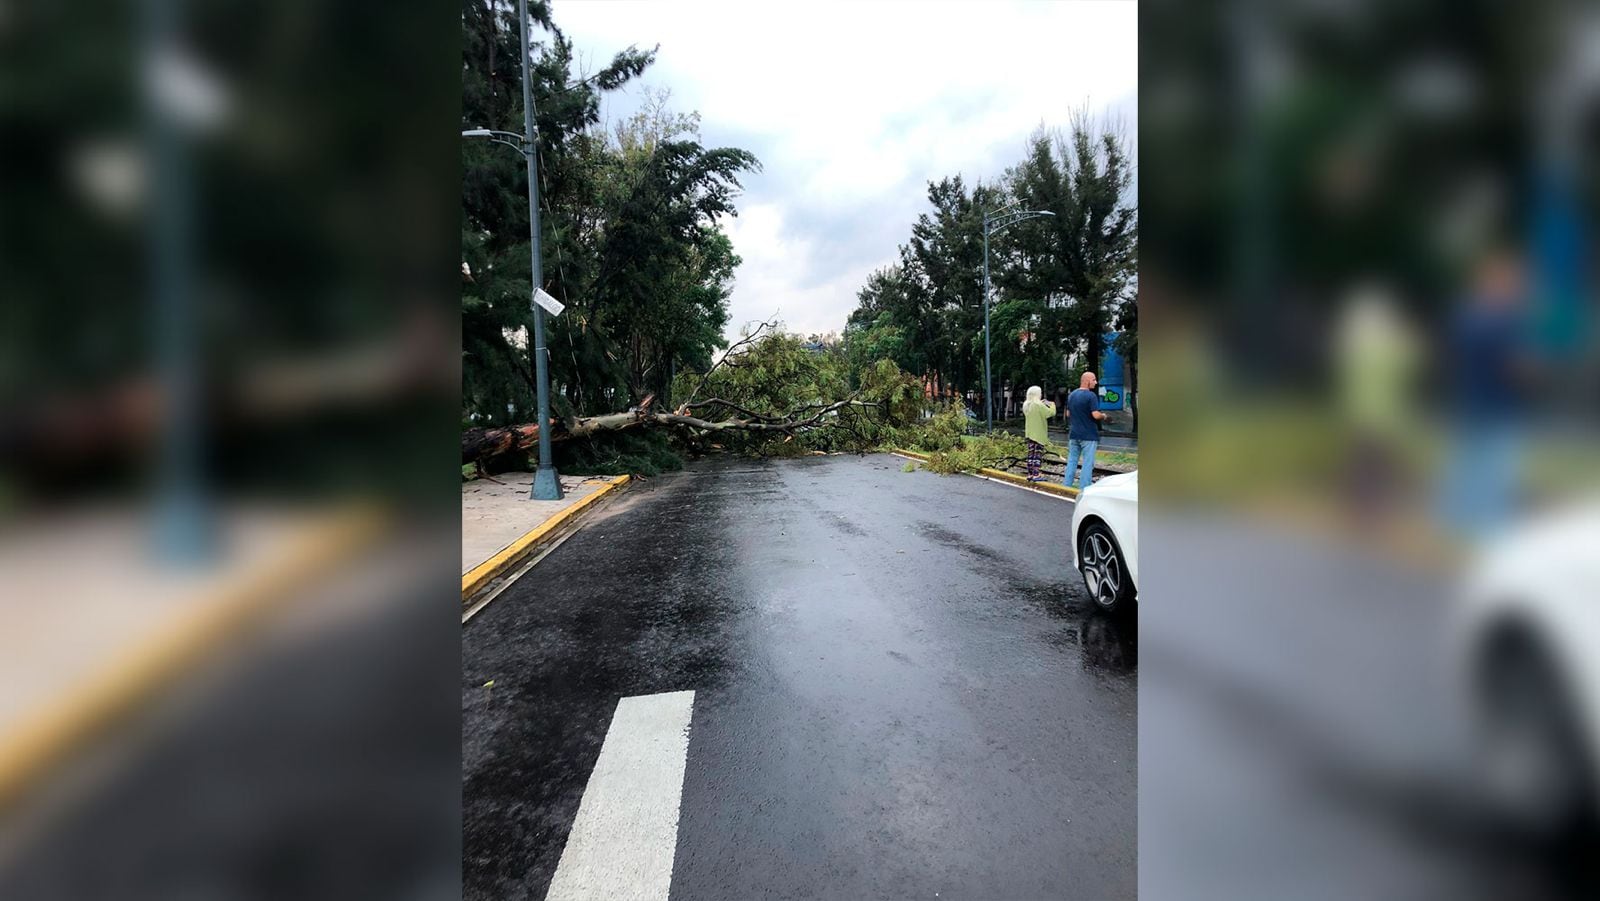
1102,567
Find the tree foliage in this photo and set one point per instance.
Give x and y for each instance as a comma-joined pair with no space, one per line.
629,228
780,377
1058,283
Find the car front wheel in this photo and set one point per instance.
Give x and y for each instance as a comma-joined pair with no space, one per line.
1533,760
1105,574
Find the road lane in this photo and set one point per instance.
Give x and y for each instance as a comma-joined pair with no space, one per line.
900,689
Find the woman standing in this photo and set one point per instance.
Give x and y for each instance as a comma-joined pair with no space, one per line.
1036,413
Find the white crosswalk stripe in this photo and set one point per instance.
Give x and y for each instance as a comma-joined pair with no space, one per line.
623,840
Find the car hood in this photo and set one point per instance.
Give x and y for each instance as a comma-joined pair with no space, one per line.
1120,480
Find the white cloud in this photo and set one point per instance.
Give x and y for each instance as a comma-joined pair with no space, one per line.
784,273
853,108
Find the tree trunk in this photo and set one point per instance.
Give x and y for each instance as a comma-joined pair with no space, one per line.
479,445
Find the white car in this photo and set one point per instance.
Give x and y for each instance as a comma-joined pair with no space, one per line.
1526,659
1105,540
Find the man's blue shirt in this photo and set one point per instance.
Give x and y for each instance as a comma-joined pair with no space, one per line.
1081,404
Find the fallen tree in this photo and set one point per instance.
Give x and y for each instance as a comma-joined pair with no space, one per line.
479,445
58,437
768,395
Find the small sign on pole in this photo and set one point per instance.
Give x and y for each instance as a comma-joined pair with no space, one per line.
550,304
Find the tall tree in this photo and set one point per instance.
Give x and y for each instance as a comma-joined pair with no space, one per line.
1083,259
943,263
629,221
496,291
891,322
1059,283
664,267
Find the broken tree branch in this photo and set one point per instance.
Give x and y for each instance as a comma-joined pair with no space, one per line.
716,401
742,342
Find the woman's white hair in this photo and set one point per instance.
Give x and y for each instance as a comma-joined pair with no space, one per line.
1035,399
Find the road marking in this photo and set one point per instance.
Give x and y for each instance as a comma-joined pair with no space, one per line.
979,475
626,832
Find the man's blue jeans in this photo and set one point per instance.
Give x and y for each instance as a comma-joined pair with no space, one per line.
1478,491
1078,447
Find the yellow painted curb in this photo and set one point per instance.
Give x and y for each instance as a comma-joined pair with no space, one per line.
50,734
1046,487
516,551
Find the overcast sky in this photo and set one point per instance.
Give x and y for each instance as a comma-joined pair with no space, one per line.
853,108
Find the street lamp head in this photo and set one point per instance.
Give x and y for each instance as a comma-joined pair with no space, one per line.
476,133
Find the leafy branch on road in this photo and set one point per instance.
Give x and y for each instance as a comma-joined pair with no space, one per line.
998,451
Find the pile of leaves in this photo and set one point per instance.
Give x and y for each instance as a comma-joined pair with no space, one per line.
996,451
641,453
941,432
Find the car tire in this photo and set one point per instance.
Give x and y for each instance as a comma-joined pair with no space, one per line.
1104,571
1531,755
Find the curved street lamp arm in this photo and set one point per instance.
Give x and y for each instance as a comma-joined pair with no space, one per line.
992,214
511,139
997,222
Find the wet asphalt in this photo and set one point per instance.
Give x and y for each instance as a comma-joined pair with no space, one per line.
901,690
1301,730
315,760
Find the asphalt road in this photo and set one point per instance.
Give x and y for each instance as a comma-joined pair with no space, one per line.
899,690
1301,727
315,760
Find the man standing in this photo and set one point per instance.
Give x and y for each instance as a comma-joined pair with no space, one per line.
1083,430
1489,372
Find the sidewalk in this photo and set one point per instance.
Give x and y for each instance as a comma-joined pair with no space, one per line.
95,628
501,526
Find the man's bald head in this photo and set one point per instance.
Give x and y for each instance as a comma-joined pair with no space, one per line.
1087,380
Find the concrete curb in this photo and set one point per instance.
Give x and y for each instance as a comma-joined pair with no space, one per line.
1046,487
509,556
51,734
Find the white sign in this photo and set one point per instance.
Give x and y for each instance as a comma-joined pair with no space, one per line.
550,304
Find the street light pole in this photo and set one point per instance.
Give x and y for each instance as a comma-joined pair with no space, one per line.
186,520
988,382
546,483
996,221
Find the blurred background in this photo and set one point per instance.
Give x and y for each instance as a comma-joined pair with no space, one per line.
229,380
229,377
1372,407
